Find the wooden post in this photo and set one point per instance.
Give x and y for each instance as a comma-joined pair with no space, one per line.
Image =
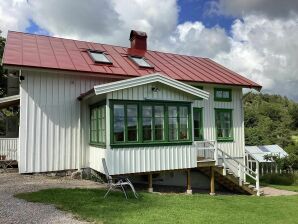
212,179
150,185
258,178
188,182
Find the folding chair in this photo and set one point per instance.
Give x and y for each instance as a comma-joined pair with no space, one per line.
118,182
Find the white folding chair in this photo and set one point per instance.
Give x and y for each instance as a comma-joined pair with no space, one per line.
118,182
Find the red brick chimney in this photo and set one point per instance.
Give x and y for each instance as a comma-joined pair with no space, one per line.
138,40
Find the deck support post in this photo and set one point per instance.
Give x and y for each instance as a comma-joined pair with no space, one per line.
150,185
188,182
212,180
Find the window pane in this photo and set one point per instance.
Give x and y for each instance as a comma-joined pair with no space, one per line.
159,123
147,123
198,127
99,57
173,123
183,130
141,62
132,122
172,111
218,94
183,123
119,123
224,124
226,94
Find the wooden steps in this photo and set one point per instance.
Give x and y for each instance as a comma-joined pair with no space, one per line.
230,181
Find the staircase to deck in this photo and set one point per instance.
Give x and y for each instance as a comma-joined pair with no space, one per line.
229,172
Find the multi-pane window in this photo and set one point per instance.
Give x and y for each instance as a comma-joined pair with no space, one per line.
221,94
97,125
224,124
150,122
125,123
198,124
153,122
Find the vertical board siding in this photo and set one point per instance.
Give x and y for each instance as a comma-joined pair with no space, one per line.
235,148
50,129
143,159
8,148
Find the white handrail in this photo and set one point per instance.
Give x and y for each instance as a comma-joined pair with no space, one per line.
241,168
228,162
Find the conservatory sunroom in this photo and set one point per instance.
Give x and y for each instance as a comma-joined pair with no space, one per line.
150,112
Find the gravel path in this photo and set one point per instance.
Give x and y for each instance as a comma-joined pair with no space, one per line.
13,210
270,191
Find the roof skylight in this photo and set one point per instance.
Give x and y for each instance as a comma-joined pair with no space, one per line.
140,61
99,57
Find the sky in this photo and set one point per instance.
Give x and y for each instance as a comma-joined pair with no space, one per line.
256,38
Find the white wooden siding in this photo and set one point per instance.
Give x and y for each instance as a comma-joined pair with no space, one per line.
50,132
143,159
7,144
235,148
54,126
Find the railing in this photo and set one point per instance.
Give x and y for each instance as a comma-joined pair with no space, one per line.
208,150
205,150
239,169
9,147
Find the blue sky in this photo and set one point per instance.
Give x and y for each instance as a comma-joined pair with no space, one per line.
197,10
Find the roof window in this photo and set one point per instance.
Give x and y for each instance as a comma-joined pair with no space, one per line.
140,61
99,57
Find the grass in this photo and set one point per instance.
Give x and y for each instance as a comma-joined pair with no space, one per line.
89,204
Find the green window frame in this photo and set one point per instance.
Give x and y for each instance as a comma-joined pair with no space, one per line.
198,124
153,123
224,125
98,124
222,94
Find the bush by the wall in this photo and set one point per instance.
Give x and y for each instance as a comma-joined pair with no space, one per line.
278,179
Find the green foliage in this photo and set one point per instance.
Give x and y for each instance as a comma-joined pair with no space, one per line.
269,119
89,204
278,179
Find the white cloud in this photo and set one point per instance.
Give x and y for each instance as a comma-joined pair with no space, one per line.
11,15
268,8
262,45
195,39
266,51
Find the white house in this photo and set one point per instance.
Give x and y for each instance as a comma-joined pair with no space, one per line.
143,111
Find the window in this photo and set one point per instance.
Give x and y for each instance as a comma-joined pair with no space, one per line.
97,125
224,124
136,122
153,122
223,95
140,61
198,124
125,123
100,57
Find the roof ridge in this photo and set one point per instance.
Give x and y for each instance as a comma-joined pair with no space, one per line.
114,45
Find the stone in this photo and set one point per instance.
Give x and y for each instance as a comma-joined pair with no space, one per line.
77,175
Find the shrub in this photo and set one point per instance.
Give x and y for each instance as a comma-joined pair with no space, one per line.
278,179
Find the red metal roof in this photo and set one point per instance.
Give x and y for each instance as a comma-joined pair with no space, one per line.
39,51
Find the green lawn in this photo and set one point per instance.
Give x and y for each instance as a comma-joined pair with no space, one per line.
89,204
